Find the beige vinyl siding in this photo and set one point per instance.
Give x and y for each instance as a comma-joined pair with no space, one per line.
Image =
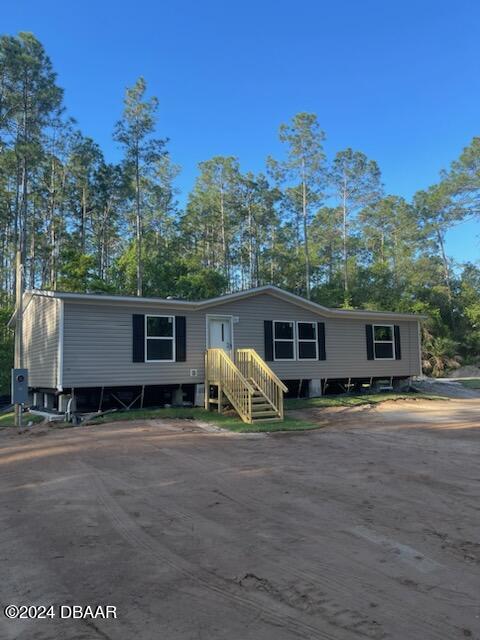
344,338
98,346
41,332
98,343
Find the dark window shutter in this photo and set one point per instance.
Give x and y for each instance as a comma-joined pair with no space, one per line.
268,336
322,355
138,337
398,346
180,338
369,336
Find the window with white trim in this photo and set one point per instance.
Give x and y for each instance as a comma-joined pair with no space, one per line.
159,338
307,341
283,340
383,342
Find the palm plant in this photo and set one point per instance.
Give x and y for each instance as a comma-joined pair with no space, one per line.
439,354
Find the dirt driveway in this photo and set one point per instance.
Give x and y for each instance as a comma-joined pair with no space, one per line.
368,528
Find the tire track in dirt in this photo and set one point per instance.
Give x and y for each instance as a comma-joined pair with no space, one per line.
303,594
344,582
28,579
341,583
276,613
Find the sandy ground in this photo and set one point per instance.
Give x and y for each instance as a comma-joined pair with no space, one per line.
368,528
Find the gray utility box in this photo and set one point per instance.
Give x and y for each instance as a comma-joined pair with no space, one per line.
19,386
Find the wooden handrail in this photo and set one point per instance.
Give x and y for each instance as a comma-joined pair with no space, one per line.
222,371
241,380
255,369
253,354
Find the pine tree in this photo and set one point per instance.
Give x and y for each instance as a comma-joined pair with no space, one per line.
142,151
356,184
304,170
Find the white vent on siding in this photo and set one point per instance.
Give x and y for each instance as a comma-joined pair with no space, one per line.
193,373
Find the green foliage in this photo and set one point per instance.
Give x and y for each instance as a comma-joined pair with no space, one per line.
78,274
440,354
315,226
6,349
463,181
8,419
356,184
144,167
474,383
167,272
304,172
202,284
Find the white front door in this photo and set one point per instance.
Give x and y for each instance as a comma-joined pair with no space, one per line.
219,333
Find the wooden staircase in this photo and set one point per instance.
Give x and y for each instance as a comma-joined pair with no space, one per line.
247,384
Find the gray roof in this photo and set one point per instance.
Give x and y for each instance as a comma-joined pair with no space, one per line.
203,304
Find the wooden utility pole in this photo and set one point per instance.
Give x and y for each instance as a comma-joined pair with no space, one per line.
19,329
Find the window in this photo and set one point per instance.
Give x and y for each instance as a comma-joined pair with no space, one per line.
283,340
307,340
383,344
159,338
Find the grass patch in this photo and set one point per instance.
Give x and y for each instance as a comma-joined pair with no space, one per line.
352,400
233,423
230,422
8,419
474,383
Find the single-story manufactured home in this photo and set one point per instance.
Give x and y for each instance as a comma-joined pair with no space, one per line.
107,350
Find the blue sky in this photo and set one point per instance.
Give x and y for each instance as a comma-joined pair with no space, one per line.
397,80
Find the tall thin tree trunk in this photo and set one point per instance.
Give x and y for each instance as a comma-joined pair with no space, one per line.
446,268
104,242
24,212
53,265
5,256
305,231
298,240
138,225
395,258
32,273
16,231
250,245
83,218
345,232
257,258
224,236
272,256
330,262
24,201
